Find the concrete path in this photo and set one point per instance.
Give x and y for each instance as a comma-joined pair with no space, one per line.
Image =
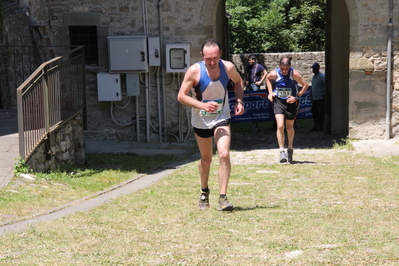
9,147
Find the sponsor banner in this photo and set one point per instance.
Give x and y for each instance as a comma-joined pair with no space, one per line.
258,107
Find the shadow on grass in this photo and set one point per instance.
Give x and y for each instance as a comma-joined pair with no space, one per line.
241,209
302,162
245,138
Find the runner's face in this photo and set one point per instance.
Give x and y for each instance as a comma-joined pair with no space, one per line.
284,69
211,56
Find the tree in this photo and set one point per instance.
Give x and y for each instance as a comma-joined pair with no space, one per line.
276,25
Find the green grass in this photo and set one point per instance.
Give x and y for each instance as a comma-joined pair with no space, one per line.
332,207
23,198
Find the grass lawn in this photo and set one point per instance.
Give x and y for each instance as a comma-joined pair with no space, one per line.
333,207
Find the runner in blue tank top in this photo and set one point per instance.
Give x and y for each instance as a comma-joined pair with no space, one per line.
207,82
284,94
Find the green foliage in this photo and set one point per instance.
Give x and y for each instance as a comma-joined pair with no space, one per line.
20,167
344,143
276,25
102,171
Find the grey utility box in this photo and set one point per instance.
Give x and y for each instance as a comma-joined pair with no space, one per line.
132,84
109,87
177,57
154,51
127,54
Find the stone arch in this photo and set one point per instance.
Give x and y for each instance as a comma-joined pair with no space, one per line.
354,18
337,63
342,20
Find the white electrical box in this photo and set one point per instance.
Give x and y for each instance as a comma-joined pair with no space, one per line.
109,87
177,57
132,84
154,51
127,54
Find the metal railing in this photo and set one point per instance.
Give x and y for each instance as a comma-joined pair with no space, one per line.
51,95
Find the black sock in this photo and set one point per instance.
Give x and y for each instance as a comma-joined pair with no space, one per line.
205,190
222,195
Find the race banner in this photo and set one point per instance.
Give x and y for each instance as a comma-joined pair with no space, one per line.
258,107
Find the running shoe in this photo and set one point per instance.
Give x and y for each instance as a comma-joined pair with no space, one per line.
225,205
283,157
203,203
290,153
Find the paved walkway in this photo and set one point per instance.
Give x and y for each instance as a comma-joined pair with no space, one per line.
9,148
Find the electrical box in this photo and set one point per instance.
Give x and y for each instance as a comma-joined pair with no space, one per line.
177,57
132,84
109,87
127,54
154,51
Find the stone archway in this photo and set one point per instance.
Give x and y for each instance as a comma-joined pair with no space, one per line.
340,14
337,66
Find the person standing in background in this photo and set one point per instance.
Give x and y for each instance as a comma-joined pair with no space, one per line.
318,91
254,74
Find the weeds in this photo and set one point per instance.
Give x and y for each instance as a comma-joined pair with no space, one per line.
344,143
20,167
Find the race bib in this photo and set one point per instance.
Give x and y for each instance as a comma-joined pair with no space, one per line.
283,92
218,111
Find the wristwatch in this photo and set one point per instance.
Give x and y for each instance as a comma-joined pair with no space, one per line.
240,102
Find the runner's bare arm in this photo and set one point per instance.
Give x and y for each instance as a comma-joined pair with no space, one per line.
238,86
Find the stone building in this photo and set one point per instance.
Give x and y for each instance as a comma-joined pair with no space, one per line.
361,60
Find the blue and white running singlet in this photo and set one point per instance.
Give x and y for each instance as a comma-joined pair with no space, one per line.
285,86
211,90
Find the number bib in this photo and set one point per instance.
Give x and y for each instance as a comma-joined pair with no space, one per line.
218,111
283,92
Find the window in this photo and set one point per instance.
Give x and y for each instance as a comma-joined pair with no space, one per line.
87,36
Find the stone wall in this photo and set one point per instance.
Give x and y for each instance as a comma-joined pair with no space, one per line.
302,62
369,33
64,146
193,21
181,21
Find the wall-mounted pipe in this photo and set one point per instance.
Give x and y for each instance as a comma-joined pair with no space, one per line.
147,109
162,72
159,106
389,73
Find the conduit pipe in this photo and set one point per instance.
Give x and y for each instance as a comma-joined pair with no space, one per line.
137,118
165,133
159,107
147,109
180,113
146,76
389,73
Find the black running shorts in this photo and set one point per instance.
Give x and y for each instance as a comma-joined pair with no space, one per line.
280,106
207,133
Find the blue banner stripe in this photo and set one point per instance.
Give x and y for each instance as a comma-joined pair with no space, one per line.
258,107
